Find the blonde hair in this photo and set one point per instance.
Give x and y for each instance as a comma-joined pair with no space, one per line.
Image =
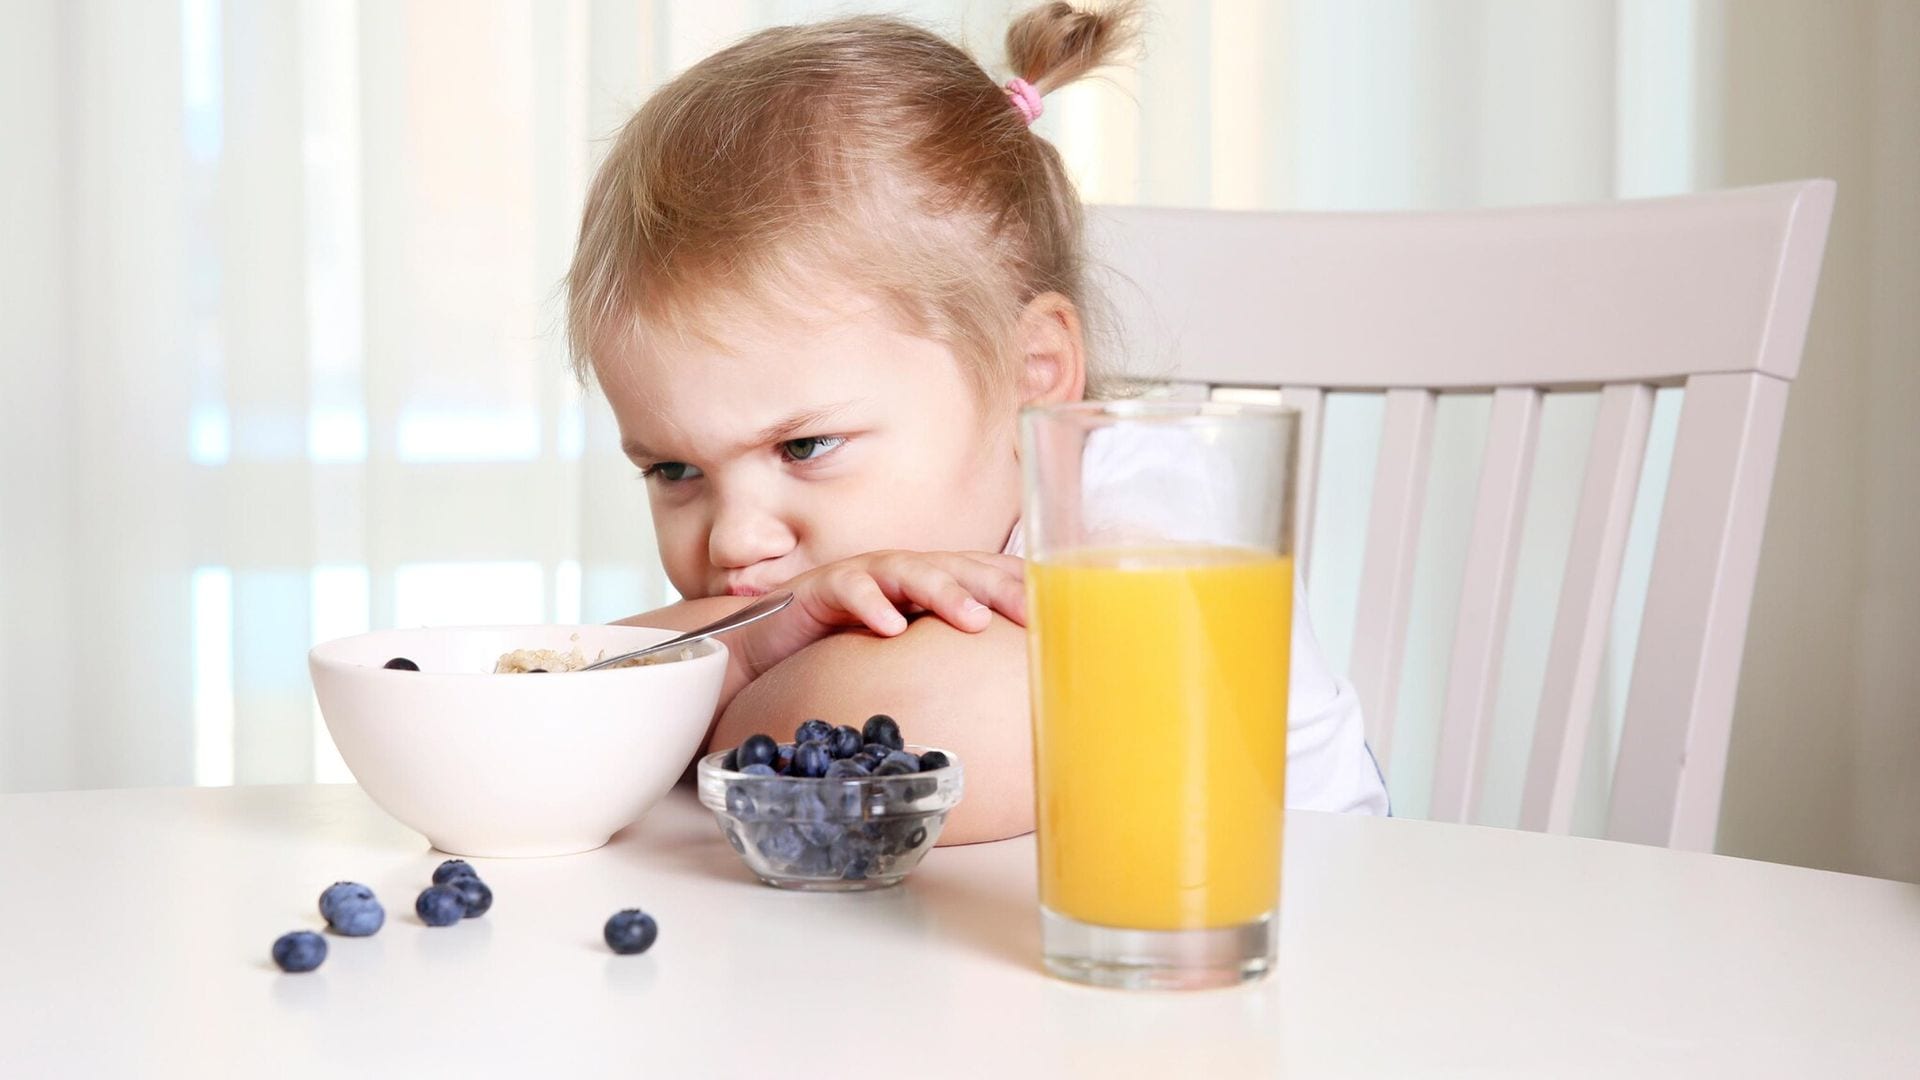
865,151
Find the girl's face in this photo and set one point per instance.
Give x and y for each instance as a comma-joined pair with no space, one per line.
799,442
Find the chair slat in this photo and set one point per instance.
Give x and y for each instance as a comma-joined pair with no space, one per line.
1386,577
1600,525
1666,784
1486,591
1311,402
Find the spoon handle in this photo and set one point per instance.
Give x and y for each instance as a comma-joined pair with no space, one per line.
754,612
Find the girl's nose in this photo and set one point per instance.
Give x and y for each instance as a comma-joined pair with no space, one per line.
744,534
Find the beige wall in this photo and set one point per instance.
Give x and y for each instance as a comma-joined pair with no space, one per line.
1824,768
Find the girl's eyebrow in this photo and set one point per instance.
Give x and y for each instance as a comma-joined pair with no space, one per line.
801,423
787,427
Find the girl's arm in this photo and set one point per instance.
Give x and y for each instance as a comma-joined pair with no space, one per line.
862,599
949,688
692,614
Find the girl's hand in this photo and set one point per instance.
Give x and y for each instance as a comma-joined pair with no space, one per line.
876,591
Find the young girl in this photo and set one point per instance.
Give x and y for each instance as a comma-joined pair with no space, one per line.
818,276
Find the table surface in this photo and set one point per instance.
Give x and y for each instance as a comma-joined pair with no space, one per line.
135,927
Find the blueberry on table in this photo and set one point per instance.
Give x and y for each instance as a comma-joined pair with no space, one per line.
440,905
630,932
451,869
934,759
845,742
758,750
301,950
881,729
759,769
398,663
810,760
475,897
812,731
846,769
331,897
350,909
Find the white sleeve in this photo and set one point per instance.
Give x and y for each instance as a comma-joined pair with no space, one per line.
1328,764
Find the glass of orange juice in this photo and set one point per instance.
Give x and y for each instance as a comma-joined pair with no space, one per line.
1160,574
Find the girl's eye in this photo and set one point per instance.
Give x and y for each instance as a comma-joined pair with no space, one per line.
812,447
671,471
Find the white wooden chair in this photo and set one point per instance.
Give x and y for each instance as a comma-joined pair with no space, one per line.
1710,292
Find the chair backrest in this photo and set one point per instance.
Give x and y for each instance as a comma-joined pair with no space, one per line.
1710,292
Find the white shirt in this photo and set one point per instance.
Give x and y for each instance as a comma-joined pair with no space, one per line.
1328,764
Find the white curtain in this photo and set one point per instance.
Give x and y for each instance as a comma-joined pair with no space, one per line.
280,349
290,268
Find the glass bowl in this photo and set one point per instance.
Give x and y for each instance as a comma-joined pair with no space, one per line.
830,835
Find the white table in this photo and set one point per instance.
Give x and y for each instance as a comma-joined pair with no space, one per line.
135,926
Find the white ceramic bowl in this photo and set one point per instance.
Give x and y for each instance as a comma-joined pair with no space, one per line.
514,765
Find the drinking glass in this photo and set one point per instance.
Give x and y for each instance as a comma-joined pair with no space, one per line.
1160,574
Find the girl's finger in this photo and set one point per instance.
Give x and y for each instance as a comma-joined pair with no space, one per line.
999,581
860,596
927,581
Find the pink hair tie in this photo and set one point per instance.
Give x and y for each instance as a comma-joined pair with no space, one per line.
1025,99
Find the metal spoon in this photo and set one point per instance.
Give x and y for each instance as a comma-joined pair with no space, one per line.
753,612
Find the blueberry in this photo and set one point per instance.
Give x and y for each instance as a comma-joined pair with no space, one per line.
301,950
475,897
917,837
816,861
784,763
782,846
844,803
852,858
739,803
398,663
440,905
451,869
811,760
354,912
731,762
846,769
912,761
893,766
877,751
812,731
630,932
881,729
934,759
341,890
775,800
865,761
758,750
758,769
844,742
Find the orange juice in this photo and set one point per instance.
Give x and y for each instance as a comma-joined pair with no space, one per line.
1160,732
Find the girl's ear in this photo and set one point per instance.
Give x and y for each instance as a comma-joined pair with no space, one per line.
1053,351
